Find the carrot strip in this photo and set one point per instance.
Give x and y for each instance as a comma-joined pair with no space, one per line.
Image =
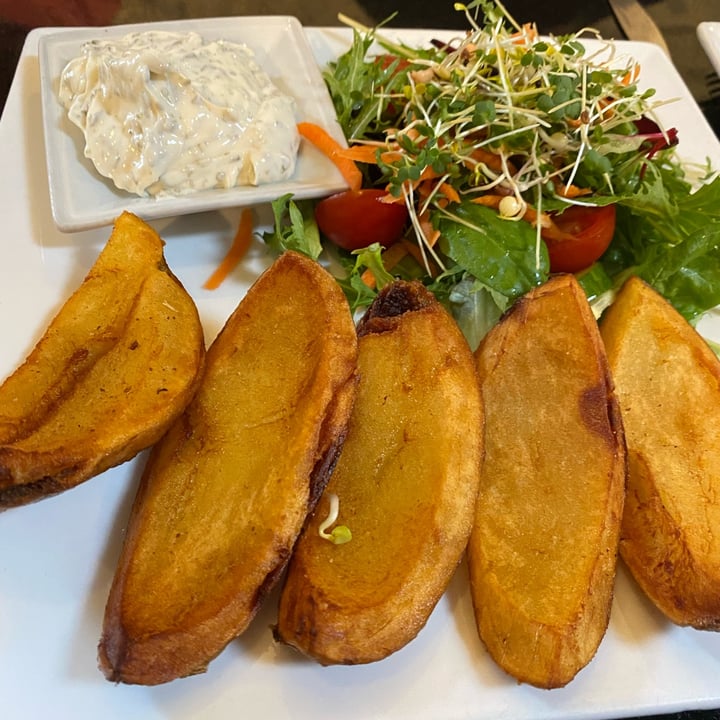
368,278
631,75
493,161
572,191
330,147
430,234
491,201
359,153
548,229
411,133
415,251
423,189
393,255
449,192
368,154
425,185
428,174
526,36
240,245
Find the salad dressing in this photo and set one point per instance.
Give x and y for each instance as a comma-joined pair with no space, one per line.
168,113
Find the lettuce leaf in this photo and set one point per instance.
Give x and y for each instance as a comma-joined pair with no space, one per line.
502,255
294,227
672,241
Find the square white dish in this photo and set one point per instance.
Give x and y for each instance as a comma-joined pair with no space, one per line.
81,198
709,36
60,553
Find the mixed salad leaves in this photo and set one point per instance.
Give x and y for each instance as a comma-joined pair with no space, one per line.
494,160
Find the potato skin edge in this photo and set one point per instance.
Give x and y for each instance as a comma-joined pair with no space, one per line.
317,615
658,547
156,657
30,475
558,652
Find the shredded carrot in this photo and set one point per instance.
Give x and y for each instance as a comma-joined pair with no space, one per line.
493,161
330,147
359,153
548,229
240,245
429,232
572,191
412,133
368,154
631,75
491,201
421,191
415,251
443,193
526,36
449,192
426,185
394,254
368,278
428,174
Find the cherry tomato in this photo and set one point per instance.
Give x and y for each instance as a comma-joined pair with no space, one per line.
587,232
355,219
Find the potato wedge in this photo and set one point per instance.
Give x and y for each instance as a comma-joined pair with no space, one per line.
225,493
406,482
668,383
115,367
542,555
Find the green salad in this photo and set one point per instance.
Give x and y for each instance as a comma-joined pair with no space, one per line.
491,161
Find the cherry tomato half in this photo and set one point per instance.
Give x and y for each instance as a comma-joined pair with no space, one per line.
586,234
355,219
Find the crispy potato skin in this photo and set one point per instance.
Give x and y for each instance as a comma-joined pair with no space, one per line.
407,482
542,554
226,492
668,382
115,367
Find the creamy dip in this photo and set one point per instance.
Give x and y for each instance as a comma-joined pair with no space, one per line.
168,113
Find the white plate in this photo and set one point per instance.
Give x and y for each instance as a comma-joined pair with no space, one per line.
59,554
709,35
81,198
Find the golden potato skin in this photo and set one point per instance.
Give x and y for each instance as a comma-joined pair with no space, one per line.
542,554
115,367
226,492
406,481
668,383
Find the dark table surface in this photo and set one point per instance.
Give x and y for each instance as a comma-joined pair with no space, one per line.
677,19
